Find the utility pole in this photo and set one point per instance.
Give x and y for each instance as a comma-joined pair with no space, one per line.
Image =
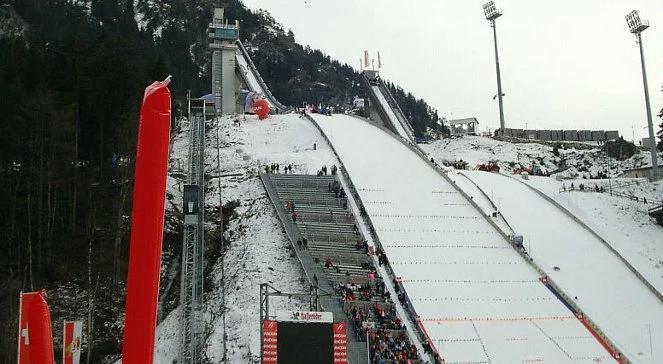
637,26
492,14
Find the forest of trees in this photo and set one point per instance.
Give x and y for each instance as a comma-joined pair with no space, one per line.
72,75
72,82
420,114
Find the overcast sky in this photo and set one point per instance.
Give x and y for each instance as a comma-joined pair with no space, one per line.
566,64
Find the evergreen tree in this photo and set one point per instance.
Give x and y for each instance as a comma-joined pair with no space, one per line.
73,74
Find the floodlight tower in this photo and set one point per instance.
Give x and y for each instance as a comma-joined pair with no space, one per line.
492,14
637,26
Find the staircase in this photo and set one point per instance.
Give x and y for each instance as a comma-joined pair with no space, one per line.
323,219
329,227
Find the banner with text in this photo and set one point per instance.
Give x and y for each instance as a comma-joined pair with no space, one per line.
340,342
305,316
269,341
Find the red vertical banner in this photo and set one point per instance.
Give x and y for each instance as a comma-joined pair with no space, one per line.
269,341
379,61
71,342
35,337
25,299
366,59
340,331
147,219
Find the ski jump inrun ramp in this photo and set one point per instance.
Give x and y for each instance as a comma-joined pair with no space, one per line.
478,299
249,73
388,108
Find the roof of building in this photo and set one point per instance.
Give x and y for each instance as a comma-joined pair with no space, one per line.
463,121
642,168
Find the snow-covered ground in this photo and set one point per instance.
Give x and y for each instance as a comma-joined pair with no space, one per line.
621,221
478,299
479,150
259,251
585,269
484,201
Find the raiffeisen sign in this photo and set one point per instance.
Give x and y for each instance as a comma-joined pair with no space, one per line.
305,316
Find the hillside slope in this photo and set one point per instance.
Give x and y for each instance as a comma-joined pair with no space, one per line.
257,249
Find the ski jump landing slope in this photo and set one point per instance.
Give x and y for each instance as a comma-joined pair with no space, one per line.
478,300
606,290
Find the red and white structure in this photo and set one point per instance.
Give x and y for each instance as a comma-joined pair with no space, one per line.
72,337
35,337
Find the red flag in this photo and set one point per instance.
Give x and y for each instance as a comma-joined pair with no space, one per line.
25,299
147,219
71,339
35,337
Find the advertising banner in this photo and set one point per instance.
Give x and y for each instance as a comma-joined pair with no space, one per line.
340,342
305,316
269,338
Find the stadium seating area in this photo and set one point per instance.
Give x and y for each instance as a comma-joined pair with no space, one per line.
318,207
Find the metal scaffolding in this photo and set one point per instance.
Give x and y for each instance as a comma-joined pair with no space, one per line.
191,289
267,291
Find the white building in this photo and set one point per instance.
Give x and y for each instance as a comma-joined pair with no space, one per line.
467,126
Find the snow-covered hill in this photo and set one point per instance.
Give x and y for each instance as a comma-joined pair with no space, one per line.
620,219
509,156
623,222
258,250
